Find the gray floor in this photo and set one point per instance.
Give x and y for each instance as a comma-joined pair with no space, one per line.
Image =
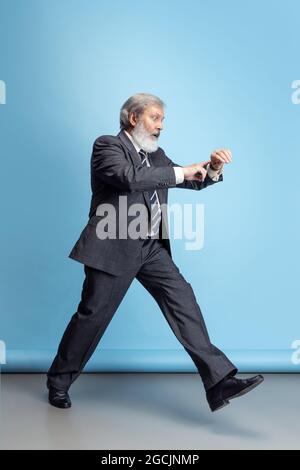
148,411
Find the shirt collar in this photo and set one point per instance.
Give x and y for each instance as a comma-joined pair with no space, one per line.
137,147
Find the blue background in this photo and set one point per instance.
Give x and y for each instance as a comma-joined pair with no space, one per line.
225,71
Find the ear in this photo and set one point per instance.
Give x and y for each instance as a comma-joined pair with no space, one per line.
133,119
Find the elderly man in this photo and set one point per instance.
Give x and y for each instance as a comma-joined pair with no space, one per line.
133,167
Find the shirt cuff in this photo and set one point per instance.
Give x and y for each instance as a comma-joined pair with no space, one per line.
179,174
213,174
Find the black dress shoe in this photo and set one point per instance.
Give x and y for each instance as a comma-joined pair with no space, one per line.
59,398
230,387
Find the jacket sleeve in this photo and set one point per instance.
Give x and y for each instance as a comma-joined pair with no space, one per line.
109,164
189,184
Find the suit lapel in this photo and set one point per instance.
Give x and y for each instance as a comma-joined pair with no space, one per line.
136,160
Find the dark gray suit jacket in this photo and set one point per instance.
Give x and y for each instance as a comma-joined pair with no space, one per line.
116,170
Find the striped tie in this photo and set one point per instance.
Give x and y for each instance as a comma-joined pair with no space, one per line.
155,206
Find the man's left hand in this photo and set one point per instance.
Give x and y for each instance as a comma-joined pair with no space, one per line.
219,157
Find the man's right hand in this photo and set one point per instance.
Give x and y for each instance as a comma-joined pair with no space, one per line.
196,171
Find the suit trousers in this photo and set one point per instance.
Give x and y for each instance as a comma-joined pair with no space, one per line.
101,296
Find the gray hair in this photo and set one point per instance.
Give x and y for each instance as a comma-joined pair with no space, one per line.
137,104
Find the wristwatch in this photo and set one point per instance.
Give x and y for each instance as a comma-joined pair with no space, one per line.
215,169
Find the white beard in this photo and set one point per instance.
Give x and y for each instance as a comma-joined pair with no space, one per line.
144,140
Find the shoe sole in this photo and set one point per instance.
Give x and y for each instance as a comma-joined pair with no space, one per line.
219,405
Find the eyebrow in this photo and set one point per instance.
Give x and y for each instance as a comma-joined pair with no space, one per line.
156,114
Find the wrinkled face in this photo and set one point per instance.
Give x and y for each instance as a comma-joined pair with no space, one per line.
152,119
146,129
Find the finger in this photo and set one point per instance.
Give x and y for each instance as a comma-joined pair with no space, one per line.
203,172
217,154
218,157
224,155
200,175
228,154
204,163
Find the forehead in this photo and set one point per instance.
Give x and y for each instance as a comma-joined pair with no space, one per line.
154,109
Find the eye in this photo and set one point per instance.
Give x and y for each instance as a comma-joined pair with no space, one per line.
155,117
